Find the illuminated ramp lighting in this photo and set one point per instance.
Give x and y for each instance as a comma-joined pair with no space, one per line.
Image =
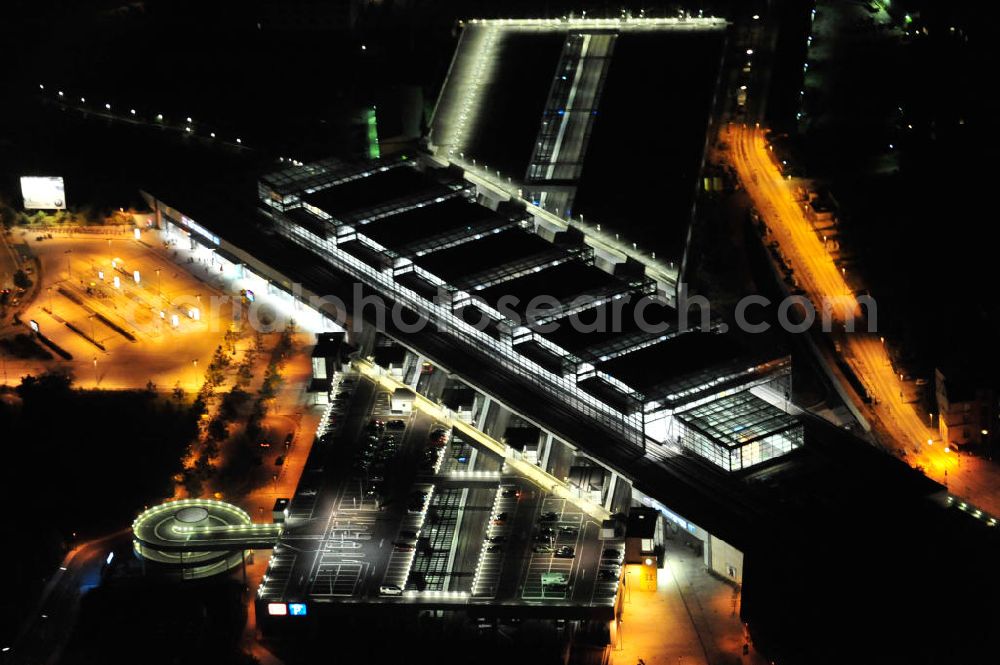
198,538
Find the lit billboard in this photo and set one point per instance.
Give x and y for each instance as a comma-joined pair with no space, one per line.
43,193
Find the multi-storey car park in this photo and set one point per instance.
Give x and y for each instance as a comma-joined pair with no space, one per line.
397,510
683,419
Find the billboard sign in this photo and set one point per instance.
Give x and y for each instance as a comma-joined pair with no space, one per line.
43,193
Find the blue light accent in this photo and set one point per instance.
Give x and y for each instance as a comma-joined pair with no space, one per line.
562,112
297,609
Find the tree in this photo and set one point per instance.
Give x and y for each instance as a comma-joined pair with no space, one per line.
217,429
7,215
198,407
49,385
232,402
244,375
192,483
21,279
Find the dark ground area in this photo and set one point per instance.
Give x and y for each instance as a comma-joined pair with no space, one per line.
142,620
361,637
78,462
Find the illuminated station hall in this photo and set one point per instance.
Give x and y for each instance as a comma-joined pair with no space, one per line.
551,428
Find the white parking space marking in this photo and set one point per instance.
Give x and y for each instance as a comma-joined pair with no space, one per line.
487,575
566,531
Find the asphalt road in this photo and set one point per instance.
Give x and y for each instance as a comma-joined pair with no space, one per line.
49,627
903,428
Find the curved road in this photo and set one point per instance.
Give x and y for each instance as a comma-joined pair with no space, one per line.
50,625
817,274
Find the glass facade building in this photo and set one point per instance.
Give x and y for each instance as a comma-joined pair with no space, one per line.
738,431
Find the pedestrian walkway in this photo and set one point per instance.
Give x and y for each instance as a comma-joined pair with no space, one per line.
692,618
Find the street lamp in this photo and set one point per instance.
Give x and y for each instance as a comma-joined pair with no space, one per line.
157,271
95,372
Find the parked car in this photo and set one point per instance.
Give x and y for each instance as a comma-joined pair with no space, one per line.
565,552
390,590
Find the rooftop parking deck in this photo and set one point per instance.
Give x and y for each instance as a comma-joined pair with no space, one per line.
397,509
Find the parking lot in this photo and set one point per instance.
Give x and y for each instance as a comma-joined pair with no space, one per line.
556,542
398,508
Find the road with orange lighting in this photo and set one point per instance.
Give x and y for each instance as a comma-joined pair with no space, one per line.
901,427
